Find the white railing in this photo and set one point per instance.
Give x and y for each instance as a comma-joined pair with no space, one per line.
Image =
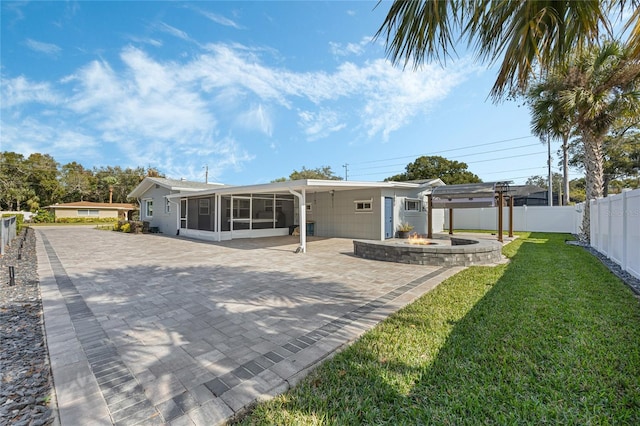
615,229
7,232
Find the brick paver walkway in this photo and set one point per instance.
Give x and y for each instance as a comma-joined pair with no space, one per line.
148,329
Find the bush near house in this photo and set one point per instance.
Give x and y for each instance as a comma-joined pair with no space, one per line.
131,226
85,220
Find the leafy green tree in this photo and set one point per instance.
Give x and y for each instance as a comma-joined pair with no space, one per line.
42,176
13,187
431,167
621,160
78,182
525,37
323,172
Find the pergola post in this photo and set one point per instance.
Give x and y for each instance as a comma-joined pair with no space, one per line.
450,221
429,217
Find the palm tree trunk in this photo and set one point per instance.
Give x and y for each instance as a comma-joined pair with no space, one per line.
565,169
593,178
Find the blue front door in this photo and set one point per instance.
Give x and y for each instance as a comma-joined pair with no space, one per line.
388,217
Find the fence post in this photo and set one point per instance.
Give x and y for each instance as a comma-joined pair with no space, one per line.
625,235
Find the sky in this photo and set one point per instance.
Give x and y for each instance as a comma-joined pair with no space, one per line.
246,91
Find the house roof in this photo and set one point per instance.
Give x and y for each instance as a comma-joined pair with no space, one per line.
179,185
92,205
312,185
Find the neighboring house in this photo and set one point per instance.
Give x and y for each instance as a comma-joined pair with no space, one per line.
328,208
155,206
90,210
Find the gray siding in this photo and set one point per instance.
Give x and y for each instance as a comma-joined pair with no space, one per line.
167,223
335,215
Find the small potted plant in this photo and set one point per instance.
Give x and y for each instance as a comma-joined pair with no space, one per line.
404,229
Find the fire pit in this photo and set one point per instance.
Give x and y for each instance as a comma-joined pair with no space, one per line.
455,251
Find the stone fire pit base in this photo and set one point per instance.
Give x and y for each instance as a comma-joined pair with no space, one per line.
455,251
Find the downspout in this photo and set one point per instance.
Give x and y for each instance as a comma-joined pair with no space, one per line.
302,209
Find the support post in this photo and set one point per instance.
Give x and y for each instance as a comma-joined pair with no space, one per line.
500,214
510,216
429,217
302,219
450,221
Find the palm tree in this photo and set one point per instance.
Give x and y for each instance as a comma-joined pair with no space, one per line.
602,84
549,119
589,93
525,35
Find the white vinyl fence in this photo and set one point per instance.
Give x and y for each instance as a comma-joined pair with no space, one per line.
525,218
615,229
615,224
7,232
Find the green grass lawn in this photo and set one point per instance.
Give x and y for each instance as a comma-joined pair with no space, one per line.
551,337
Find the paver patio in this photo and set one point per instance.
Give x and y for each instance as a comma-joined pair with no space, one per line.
150,329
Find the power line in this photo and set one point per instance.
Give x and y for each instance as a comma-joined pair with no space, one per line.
470,162
460,156
448,150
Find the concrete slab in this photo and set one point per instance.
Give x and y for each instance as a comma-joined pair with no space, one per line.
150,329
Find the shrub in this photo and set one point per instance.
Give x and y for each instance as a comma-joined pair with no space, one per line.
85,220
43,216
125,228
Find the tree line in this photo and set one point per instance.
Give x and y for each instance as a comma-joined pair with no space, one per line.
39,180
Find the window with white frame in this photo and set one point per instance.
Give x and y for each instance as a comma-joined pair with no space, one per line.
309,208
88,212
203,207
412,205
148,208
363,205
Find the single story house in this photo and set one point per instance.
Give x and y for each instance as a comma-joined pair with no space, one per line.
327,208
90,210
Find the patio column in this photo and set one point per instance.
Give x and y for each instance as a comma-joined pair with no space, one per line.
429,217
302,217
450,221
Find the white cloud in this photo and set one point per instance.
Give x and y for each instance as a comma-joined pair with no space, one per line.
219,19
320,124
46,48
178,115
357,49
173,31
19,90
257,118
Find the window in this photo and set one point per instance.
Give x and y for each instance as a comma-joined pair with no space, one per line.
309,207
364,205
203,207
148,208
88,212
412,205
167,206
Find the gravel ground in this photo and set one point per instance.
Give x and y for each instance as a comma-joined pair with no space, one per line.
25,376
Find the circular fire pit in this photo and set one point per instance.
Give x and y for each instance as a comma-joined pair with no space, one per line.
455,251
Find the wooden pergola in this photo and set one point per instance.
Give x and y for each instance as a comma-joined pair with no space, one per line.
472,195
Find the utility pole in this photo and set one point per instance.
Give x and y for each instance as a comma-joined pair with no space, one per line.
206,173
346,171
